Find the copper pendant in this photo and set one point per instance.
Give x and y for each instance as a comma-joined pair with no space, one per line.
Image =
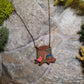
44,55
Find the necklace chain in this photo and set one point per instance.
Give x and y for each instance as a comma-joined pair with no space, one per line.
27,27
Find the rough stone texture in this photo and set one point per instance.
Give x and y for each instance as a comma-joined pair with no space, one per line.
9,59
54,10
18,35
34,18
69,22
66,20
26,55
66,70
20,53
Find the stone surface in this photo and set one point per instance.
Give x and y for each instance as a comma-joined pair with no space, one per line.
69,23
19,54
66,20
9,59
55,11
25,56
18,36
35,20
67,69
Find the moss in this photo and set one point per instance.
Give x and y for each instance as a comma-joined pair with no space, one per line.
5,10
81,33
81,8
4,32
59,2
75,3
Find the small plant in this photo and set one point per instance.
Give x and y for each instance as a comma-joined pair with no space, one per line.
77,4
81,7
4,32
5,10
59,2
81,33
81,54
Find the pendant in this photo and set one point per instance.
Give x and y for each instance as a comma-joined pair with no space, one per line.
44,55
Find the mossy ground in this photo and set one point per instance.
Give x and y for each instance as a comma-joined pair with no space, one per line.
5,10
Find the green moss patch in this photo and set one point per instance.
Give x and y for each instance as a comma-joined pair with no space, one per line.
5,10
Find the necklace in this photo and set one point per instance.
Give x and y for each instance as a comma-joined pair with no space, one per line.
44,53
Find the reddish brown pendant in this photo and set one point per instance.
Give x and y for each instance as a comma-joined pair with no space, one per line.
44,55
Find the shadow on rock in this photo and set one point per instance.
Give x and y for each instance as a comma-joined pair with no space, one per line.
82,65
6,77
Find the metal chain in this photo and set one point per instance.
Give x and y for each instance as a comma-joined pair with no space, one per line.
25,27
49,23
28,29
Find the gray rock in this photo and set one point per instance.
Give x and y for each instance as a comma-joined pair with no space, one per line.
18,35
35,20
55,11
69,23
67,69
19,54
20,62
